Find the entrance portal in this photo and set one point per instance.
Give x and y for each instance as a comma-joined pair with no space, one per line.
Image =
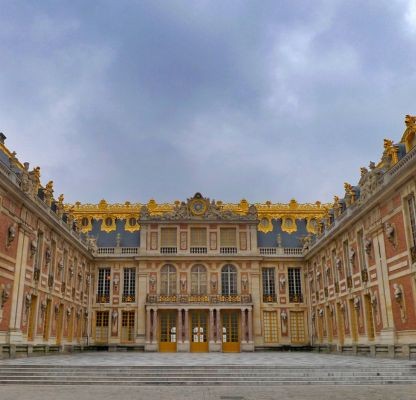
230,331
199,331
167,331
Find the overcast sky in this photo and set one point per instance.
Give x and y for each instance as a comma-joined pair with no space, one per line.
263,100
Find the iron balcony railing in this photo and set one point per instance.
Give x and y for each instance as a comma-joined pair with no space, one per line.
269,298
103,298
296,298
199,299
128,298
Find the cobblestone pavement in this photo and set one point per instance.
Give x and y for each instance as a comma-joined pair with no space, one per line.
397,392
190,359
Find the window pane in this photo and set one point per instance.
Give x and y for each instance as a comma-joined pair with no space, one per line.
228,237
168,237
198,237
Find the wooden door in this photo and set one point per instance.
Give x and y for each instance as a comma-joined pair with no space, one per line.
167,331
230,331
199,331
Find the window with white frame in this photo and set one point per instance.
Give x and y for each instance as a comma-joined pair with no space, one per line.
295,285
269,285
198,280
229,280
129,285
168,280
103,285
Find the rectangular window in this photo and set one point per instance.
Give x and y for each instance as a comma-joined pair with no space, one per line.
361,249
127,326
228,237
346,250
129,285
64,265
270,327
412,215
168,237
198,237
334,266
101,326
39,251
324,272
295,287
103,287
269,287
297,327
53,257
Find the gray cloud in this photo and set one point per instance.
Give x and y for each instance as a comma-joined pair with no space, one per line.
262,100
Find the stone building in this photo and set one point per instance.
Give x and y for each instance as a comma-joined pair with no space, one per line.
202,275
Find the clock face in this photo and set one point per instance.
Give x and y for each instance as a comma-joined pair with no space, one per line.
198,207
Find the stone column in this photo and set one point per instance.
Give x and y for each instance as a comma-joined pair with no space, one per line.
211,325
154,326
250,325
186,326
243,326
17,294
148,325
179,327
218,326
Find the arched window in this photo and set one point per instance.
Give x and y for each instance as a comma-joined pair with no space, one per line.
228,280
168,280
198,279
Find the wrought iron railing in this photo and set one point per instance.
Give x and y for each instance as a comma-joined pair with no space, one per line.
103,298
269,298
364,275
128,298
296,298
200,299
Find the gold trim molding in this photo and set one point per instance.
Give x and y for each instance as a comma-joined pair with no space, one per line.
289,213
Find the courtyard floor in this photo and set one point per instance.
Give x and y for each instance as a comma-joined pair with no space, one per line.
290,359
315,392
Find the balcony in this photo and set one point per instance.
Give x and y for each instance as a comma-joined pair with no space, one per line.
228,250
102,298
199,299
364,275
281,251
168,250
198,250
117,251
269,298
128,298
295,298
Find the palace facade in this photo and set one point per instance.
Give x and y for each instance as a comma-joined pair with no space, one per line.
202,275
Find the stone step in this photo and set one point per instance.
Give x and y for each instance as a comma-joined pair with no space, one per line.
194,373
267,382
198,377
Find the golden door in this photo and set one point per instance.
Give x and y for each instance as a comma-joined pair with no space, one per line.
167,331
199,331
230,331
297,327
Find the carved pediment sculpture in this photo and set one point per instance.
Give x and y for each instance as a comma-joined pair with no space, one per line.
198,208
